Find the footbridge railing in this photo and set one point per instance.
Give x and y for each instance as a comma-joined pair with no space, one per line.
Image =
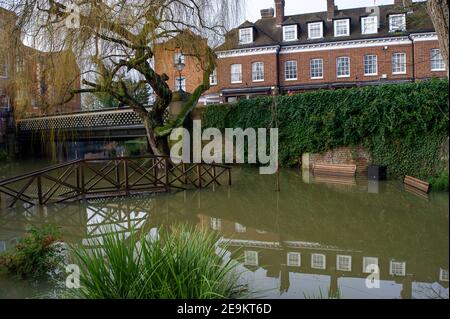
96,178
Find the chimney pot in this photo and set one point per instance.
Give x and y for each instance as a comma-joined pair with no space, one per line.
267,13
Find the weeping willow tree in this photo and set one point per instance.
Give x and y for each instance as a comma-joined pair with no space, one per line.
114,40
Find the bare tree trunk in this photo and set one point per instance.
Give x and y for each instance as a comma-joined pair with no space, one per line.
438,11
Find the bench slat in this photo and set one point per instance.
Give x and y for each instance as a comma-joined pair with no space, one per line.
417,183
335,169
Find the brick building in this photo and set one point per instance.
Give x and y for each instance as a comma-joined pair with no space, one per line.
325,50
32,82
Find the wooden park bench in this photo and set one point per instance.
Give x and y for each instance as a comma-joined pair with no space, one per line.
335,169
417,184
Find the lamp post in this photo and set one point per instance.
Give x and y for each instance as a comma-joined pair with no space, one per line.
179,66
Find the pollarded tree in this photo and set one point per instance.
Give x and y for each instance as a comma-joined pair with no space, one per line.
115,39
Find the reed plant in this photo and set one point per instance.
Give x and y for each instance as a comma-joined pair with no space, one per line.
182,262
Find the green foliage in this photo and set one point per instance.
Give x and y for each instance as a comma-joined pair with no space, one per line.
4,156
181,263
36,255
402,125
440,182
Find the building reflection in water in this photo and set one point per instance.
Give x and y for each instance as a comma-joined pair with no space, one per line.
313,238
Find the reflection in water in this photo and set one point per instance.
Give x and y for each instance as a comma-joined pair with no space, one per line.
316,236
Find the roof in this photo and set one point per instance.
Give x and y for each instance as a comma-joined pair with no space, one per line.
267,32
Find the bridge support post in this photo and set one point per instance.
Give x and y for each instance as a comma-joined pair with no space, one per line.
166,174
199,174
39,190
125,168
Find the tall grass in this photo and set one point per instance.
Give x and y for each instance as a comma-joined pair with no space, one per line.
180,263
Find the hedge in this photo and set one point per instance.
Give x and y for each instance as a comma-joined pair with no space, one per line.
402,125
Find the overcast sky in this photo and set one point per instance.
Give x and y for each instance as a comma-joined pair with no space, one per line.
304,6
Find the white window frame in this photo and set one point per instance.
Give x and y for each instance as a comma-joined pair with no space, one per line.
286,64
256,77
342,258
176,57
288,28
183,83
239,228
347,25
233,73
310,25
436,58
251,258
365,63
402,27
394,61
298,262
312,66
315,266
364,22
4,66
338,69
216,223
242,33
443,275
394,272
367,261
213,77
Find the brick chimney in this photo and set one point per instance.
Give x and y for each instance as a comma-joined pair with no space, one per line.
279,10
330,9
267,13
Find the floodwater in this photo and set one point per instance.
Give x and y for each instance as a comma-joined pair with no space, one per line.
314,239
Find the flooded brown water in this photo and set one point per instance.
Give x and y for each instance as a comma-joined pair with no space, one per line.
312,239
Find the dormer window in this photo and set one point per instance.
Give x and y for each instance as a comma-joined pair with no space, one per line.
245,36
290,33
342,27
397,22
315,30
369,25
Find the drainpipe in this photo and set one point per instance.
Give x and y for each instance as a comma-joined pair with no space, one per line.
413,58
277,54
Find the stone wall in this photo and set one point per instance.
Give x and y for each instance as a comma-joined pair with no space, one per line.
342,155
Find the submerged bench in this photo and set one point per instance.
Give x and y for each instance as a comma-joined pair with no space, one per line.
417,184
335,169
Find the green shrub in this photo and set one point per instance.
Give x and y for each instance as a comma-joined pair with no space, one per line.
181,263
402,125
440,182
36,255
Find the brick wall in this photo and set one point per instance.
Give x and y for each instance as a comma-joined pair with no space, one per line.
422,63
343,155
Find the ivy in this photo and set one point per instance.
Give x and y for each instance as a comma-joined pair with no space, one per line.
402,125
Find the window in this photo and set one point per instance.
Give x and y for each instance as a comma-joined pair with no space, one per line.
399,63
397,22
397,268
180,84
245,36
443,275
258,72
293,259
216,223
315,30
290,33
342,27
437,61
213,77
370,65
343,67
344,263
3,65
251,258
290,70
369,263
4,101
20,64
236,73
316,66
2,246
179,57
318,261
239,228
369,25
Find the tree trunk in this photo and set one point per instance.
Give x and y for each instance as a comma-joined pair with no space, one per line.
438,11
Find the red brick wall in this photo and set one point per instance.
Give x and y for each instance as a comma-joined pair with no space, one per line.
356,64
343,155
422,59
